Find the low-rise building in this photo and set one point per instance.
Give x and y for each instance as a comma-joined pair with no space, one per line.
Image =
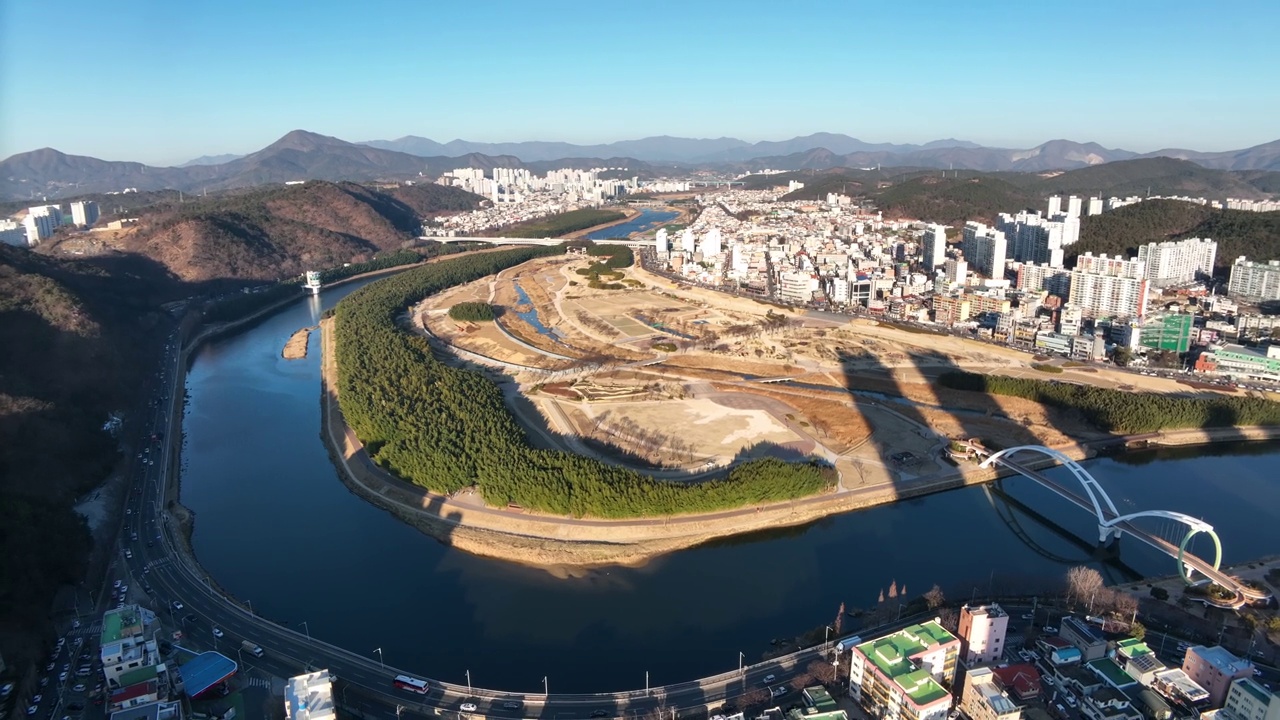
1178,686
1247,700
1084,636
309,697
1108,704
1020,680
982,698
1214,669
1241,361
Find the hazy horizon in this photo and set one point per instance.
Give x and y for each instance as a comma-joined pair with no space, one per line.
164,84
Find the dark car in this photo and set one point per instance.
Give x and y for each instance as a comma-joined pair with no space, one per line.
191,618
599,714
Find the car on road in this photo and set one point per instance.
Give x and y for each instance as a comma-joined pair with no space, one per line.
50,666
511,705
128,554
78,688
32,710
769,678
75,624
778,691
36,699
1050,629
468,707
62,676
599,714
1027,616
217,631
177,605
123,589
128,511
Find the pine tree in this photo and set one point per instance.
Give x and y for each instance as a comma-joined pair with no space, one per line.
893,589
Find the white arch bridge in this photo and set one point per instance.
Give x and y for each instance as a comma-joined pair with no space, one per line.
1111,524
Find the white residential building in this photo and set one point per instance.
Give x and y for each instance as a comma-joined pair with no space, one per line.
1117,266
711,243
905,676
982,698
660,245
1177,262
955,271
309,697
1102,295
13,233
687,242
1055,205
934,246
84,213
1095,206
982,630
1073,207
984,249
1032,238
1254,280
40,222
1249,700
1055,280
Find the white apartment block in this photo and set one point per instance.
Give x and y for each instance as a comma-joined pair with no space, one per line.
1095,206
660,244
711,244
1254,280
1177,262
982,630
1102,295
984,249
905,676
1117,266
687,242
1054,280
796,287
40,222
1032,238
1055,205
934,246
1073,207
84,213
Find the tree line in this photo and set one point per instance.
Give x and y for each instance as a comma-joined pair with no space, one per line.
473,312
1124,412
562,224
444,428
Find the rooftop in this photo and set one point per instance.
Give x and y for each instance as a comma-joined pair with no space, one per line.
309,697
204,671
1111,672
819,698
130,692
1083,629
1222,660
137,675
983,680
120,624
1252,687
994,610
893,656
1131,647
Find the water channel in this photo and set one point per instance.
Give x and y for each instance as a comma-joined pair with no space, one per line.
276,526
647,220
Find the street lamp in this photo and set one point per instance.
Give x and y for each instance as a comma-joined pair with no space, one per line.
307,629
468,682
545,691
380,662
741,656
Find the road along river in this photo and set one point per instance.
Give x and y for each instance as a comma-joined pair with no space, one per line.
276,526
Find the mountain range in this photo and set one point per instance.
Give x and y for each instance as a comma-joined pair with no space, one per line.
302,155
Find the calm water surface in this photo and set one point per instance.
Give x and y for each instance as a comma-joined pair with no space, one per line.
646,220
276,526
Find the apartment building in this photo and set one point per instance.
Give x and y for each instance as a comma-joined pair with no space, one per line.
126,645
982,698
309,697
1176,262
933,246
1104,295
84,213
1214,669
902,676
1254,281
982,630
1248,700
1055,280
984,248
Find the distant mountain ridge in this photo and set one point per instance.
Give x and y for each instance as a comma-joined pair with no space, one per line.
303,155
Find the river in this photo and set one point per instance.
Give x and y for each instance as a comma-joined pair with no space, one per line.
647,220
275,525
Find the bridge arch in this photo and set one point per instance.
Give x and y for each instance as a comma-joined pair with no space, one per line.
1097,495
1195,526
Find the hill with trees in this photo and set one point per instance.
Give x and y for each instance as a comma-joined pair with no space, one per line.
1238,232
444,428
952,201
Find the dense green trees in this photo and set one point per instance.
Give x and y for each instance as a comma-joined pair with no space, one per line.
472,312
445,429
562,224
1124,412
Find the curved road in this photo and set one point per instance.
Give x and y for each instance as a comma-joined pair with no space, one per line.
162,571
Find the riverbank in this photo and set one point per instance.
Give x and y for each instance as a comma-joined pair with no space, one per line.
560,544
295,348
629,214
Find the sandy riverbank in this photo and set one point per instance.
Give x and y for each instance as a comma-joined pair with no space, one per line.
560,544
295,348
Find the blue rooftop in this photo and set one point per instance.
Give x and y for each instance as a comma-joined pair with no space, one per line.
204,671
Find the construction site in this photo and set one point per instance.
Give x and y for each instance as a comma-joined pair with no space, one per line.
681,381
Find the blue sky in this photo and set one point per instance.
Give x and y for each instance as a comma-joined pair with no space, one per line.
163,81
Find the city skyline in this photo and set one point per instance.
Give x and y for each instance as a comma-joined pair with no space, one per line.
191,82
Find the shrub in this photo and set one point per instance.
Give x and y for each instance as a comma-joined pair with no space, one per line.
473,312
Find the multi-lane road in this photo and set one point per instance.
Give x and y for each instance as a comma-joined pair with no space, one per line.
163,576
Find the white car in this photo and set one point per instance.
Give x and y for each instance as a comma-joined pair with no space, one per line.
116,584
32,710
217,631
177,605
468,707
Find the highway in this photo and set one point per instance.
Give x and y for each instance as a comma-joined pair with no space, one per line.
163,576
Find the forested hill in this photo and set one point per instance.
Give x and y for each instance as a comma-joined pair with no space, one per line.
953,201
1255,235
279,231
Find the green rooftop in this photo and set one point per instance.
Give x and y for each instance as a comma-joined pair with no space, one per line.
1253,688
892,656
819,699
1133,646
135,676
1111,672
111,626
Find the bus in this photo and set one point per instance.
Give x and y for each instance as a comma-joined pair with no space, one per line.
404,682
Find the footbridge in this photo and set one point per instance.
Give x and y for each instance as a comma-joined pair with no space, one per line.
1112,524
